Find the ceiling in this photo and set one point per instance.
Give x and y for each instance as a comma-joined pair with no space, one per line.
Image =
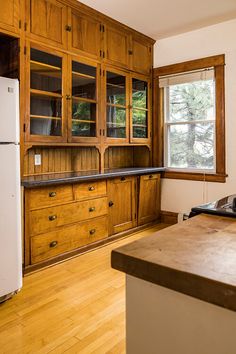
162,18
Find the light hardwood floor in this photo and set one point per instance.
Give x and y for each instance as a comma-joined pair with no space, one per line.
74,307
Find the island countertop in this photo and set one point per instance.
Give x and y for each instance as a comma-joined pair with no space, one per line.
196,257
73,177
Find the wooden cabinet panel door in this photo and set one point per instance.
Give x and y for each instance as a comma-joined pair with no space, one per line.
84,36
10,15
149,199
141,56
122,204
116,46
47,21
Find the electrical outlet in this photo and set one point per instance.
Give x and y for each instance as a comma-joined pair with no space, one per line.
37,159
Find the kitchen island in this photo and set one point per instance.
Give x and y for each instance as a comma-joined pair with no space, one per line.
181,288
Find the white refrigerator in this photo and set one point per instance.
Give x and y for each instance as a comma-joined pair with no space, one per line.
10,191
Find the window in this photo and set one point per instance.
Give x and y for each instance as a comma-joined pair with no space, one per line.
190,119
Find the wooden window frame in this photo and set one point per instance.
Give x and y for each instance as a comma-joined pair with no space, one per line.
218,63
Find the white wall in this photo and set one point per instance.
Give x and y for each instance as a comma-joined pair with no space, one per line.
180,195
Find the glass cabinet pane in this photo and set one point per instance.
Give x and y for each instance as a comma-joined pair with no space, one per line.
84,100
139,108
116,122
116,105
45,94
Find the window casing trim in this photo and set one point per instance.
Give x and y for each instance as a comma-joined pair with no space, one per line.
219,175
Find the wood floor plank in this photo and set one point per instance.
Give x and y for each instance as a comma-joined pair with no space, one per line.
74,307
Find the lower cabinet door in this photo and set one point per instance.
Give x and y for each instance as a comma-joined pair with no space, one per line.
149,198
122,204
67,238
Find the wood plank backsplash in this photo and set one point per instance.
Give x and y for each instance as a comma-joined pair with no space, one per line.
56,160
74,159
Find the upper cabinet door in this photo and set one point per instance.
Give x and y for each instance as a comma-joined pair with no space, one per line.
116,46
116,106
141,58
45,99
10,15
84,35
83,101
140,110
46,21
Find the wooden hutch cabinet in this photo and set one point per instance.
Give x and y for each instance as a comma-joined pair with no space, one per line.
86,109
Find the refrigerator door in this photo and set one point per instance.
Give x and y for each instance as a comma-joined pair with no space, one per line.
9,110
10,220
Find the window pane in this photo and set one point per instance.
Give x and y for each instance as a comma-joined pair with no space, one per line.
39,126
191,146
139,119
83,81
116,122
45,72
83,110
45,106
139,93
116,91
83,128
191,101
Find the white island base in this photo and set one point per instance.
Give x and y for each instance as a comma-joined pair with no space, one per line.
163,321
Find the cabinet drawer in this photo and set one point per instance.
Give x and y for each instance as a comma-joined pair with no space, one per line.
40,197
47,219
51,244
90,190
150,177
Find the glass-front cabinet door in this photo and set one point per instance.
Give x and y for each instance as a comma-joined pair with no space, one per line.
46,102
140,110
117,128
83,109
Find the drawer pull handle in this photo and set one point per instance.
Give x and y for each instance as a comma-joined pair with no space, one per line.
52,194
123,179
151,176
110,203
52,217
91,209
53,244
91,188
92,232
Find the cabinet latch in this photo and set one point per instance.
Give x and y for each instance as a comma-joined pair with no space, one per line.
68,28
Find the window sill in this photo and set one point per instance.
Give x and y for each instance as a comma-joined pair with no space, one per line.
195,176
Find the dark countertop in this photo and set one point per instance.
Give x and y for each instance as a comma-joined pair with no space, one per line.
71,177
196,257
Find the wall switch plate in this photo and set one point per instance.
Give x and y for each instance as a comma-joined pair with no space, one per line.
37,159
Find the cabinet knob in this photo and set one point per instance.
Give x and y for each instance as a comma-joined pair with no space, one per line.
123,179
52,194
92,232
52,217
68,28
91,209
53,244
151,176
91,188
110,203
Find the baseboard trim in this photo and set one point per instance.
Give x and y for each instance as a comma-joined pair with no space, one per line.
169,217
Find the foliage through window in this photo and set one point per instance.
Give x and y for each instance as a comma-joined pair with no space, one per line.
190,122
